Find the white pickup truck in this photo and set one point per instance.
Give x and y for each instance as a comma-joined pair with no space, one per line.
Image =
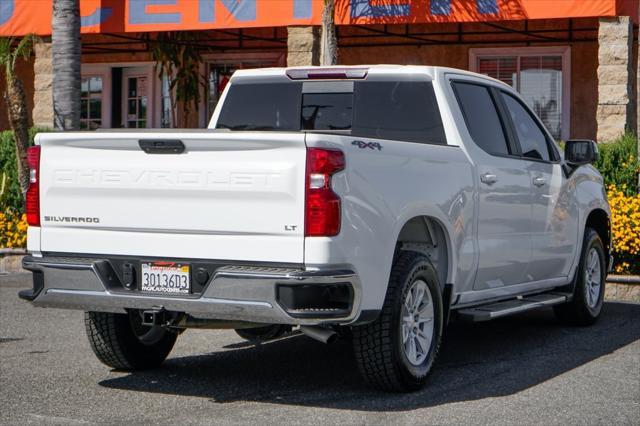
373,202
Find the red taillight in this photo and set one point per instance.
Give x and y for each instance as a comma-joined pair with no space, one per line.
322,207
32,202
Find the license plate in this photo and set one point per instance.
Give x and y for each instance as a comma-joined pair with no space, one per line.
165,277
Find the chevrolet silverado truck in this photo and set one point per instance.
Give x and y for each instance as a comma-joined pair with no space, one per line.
370,202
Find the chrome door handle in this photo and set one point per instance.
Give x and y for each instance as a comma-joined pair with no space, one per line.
488,178
539,181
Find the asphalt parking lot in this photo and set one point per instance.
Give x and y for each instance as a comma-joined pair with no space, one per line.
521,370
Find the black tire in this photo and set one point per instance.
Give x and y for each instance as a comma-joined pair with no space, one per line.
378,346
122,342
579,311
262,334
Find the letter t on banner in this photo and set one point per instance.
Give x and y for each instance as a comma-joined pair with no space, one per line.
302,9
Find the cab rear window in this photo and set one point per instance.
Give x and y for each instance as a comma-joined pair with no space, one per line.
394,110
261,106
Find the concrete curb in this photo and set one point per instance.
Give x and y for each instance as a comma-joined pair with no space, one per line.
11,260
627,292
624,279
4,250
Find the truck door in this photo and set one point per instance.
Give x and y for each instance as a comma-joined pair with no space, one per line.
504,190
554,226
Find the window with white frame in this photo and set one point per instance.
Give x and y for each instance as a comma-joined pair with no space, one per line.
539,74
91,102
217,78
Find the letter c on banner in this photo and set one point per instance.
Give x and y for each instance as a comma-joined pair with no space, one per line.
99,16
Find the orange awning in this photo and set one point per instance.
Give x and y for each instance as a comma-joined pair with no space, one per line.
19,17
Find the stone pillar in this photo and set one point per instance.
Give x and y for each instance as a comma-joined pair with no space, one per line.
42,113
303,46
615,74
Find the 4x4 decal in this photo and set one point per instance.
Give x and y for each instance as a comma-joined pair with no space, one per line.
371,145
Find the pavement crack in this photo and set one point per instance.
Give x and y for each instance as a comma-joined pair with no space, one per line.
10,339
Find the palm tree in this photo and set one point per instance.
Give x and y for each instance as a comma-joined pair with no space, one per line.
177,58
66,50
17,101
329,42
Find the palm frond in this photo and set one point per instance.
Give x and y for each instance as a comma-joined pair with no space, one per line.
25,47
5,53
5,45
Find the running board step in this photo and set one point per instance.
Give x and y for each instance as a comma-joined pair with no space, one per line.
509,307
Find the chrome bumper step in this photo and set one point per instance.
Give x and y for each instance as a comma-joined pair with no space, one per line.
510,307
233,293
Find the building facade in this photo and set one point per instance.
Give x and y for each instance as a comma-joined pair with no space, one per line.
574,61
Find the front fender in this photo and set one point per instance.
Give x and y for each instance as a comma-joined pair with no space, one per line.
590,195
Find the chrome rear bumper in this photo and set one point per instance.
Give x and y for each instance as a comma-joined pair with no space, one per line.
235,293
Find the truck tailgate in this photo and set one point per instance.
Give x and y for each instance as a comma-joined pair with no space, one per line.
230,195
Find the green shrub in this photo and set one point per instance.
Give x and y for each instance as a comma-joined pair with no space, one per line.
10,195
618,163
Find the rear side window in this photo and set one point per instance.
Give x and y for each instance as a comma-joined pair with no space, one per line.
482,118
533,141
261,106
404,111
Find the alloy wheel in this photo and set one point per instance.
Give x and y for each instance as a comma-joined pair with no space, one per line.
417,323
593,277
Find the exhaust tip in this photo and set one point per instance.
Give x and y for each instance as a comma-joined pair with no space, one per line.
320,334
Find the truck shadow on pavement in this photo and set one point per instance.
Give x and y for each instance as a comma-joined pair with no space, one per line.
476,361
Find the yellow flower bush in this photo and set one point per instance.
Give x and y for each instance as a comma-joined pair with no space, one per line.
13,229
625,229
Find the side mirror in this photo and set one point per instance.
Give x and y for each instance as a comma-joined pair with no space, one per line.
578,152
